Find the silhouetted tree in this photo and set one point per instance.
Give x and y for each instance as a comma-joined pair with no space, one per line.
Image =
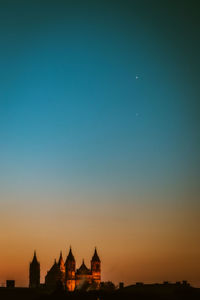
107,286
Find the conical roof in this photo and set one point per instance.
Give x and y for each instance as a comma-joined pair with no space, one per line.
34,260
61,263
95,256
70,256
83,269
55,266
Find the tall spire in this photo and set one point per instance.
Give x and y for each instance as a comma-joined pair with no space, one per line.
60,258
61,263
95,256
34,260
70,256
70,269
34,272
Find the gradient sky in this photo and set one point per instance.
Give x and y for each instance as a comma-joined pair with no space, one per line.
99,136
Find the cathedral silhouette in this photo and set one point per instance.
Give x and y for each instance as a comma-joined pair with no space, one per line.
65,273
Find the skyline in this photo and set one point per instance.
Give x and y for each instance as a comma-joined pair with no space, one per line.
99,137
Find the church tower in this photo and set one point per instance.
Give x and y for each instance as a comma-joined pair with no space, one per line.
61,266
70,271
34,272
96,268
61,263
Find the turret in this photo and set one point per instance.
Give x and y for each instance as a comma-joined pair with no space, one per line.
34,272
61,263
70,269
96,268
61,266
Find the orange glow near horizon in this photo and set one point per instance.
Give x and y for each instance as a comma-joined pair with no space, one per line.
138,244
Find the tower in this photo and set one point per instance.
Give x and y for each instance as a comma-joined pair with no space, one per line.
70,271
34,272
61,266
61,263
96,268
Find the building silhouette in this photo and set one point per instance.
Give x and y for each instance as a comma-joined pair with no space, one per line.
34,272
64,274
70,271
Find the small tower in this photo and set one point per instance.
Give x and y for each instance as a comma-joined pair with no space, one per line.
61,263
70,269
61,266
96,268
34,272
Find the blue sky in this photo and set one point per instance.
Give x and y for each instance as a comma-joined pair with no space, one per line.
70,96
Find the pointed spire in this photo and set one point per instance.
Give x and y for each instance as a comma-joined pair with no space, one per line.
34,260
83,269
54,266
61,263
60,258
70,256
70,250
83,266
54,263
95,256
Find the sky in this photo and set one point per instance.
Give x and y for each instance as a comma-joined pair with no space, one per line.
99,137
